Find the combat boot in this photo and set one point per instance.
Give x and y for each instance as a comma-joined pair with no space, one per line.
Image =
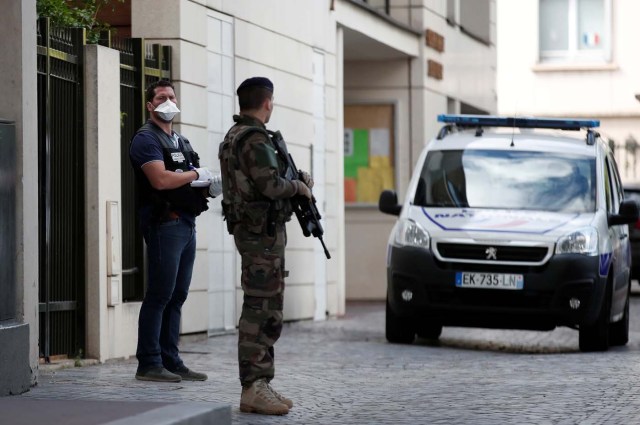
258,398
282,399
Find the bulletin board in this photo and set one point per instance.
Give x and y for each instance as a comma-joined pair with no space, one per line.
368,152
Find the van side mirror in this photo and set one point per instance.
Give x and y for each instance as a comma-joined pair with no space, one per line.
388,203
627,214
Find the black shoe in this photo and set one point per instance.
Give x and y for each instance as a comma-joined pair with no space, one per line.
189,375
158,374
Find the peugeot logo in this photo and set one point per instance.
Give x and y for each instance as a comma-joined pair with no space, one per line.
491,253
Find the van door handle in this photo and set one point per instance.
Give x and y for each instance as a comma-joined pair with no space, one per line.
622,237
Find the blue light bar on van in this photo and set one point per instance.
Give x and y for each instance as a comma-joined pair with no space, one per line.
495,121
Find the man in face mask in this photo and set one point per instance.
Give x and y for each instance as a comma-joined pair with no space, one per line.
172,190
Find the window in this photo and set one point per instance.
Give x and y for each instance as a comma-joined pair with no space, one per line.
615,183
575,30
608,191
520,180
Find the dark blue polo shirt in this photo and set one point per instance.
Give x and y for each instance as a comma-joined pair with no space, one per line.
145,148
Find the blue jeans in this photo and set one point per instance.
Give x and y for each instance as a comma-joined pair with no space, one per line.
171,251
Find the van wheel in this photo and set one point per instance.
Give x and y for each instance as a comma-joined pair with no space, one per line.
595,337
399,330
428,330
619,331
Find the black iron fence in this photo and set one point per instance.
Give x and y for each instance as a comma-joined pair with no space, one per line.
131,117
8,284
61,189
61,177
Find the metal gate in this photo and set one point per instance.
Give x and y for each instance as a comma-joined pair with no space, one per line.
61,178
61,189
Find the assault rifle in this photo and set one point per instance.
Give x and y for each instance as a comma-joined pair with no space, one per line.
304,208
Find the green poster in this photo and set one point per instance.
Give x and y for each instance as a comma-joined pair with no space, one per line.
356,153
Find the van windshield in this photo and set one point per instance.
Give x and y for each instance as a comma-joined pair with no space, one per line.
543,181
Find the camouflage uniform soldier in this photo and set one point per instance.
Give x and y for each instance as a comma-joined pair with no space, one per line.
256,206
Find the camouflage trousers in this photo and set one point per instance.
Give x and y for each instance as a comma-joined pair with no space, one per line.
263,284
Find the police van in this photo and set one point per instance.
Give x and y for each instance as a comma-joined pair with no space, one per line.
511,223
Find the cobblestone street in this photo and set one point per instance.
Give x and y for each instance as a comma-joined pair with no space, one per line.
343,371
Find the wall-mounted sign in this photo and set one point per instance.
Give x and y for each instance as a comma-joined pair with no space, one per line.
434,69
434,40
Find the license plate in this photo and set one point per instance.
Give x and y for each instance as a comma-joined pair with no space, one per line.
489,280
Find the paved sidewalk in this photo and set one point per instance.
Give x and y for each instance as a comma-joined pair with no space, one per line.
343,371
98,394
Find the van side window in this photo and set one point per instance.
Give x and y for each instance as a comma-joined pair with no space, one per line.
614,188
618,183
608,192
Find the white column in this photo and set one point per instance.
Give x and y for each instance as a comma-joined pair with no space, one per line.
340,219
103,183
318,169
18,85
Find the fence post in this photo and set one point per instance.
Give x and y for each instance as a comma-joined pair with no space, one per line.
139,58
45,198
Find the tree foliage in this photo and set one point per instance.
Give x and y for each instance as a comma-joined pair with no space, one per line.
76,13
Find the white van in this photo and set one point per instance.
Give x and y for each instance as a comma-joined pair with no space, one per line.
512,223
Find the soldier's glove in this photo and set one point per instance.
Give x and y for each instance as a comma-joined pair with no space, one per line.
306,178
302,189
215,189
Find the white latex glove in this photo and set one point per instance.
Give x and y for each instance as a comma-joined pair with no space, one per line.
204,177
204,174
215,189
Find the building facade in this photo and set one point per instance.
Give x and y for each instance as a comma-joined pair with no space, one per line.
358,86
444,64
573,58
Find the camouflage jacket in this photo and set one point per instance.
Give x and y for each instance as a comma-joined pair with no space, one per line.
254,191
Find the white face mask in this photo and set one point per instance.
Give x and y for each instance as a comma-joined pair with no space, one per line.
167,110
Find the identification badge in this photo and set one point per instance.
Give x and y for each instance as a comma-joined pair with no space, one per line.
177,157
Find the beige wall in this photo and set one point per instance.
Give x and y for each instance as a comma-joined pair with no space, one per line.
367,232
216,45
469,66
468,76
